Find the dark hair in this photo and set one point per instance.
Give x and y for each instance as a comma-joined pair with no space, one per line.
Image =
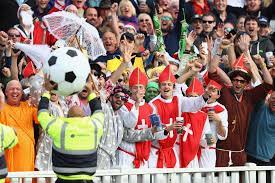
85,11
209,14
251,18
240,73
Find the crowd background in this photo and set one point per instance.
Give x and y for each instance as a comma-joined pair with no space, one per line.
229,42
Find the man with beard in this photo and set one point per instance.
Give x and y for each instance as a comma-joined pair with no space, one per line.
258,45
239,103
91,16
25,27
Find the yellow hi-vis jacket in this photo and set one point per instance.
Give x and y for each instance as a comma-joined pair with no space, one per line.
75,140
8,139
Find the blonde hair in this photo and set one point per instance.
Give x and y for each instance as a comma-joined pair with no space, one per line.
123,3
144,15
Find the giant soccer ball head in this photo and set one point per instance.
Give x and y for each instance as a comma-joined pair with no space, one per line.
69,69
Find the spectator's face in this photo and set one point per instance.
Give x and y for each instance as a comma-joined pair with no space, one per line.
143,22
91,16
253,5
213,93
166,89
265,30
174,10
126,10
150,94
25,17
83,94
72,9
79,3
208,23
13,93
14,35
252,28
137,90
54,97
240,24
117,100
164,4
239,84
42,4
221,5
101,82
166,22
272,102
110,42
197,25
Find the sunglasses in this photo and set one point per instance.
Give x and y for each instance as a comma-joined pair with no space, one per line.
14,35
121,97
206,21
119,80
239,80
166,18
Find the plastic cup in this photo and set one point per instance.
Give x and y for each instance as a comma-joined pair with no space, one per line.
208,138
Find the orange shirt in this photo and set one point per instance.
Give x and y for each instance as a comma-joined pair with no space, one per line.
21,157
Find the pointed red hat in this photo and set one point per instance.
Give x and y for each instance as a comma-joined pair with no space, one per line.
29,70
215,84
166,75
239,64
239,69
195,87
137,77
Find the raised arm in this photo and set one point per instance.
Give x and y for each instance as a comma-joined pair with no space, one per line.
127,52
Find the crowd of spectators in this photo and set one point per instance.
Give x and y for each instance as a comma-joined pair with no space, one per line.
222,85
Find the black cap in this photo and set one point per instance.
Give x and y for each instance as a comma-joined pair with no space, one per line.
196,16
129,36
105,4
263,21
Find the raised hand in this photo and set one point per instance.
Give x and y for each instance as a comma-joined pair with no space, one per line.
192,36
3,40
48,84
127,50
244,42
114,8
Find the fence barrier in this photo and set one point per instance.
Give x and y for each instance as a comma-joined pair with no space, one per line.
245,174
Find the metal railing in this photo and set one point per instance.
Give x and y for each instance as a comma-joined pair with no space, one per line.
251,174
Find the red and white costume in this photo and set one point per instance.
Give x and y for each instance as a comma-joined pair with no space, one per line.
208,155
135,155
163,152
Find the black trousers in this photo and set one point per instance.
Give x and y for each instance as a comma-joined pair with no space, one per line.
72,181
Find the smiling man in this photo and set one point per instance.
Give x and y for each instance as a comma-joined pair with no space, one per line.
258,45
240,104
20,116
